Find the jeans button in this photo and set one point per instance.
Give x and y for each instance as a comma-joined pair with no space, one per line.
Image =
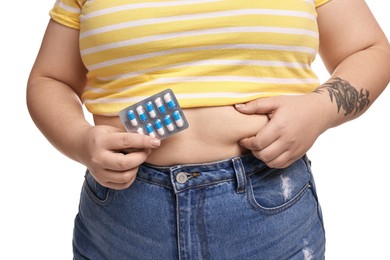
181,177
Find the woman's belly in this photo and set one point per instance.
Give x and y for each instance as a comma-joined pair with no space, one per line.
213,134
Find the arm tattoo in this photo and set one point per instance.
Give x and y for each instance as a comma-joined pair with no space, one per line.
345,96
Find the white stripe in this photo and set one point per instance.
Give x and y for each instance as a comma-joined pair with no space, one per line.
224,30
209,63
218,95
229,95
203,48
244,79
115,100
126,7
196,16
98,90
185,96
68,8
178,96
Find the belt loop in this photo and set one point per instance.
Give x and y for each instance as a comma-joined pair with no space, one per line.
240,174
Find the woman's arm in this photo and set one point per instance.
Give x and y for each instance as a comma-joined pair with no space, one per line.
54,88
357,54
56,83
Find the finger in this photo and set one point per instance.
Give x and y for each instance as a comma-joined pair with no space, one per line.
109,176
258,106
251,143
265,137
121,180
282,161
271,152
119,141
123,162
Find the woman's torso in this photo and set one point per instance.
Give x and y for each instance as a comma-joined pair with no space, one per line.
213,135
210,53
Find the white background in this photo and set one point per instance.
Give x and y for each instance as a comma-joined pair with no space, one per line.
39,187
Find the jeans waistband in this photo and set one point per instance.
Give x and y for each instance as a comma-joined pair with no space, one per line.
189,176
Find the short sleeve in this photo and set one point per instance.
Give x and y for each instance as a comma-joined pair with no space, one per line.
320,2
67,12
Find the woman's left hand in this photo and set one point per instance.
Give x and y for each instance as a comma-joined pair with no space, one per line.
295,123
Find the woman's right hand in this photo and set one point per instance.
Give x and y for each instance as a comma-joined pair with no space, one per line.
101,150
56,83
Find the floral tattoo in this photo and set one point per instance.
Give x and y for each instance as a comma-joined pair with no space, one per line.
345,96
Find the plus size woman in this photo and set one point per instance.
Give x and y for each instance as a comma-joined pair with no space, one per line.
237,183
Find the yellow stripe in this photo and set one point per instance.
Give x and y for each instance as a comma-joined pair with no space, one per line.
240,47
206,88
170,27
137,48
321,2
113,108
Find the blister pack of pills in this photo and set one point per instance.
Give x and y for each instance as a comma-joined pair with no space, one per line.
158,116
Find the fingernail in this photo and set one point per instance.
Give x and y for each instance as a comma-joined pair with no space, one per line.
239,105
155,142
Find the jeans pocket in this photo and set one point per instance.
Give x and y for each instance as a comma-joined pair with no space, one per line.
95,190
279,189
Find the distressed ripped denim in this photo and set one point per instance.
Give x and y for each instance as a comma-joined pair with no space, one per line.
232,209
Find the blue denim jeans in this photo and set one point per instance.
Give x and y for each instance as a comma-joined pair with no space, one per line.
232,209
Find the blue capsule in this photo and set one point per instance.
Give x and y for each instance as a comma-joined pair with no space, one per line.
178,119
168,123
160,105
168,99
150,130
150,108
159,127
132,118
141,113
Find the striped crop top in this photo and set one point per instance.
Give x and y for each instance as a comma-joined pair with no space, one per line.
209,52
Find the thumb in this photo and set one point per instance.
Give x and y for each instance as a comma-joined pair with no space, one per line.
248,143
258,106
